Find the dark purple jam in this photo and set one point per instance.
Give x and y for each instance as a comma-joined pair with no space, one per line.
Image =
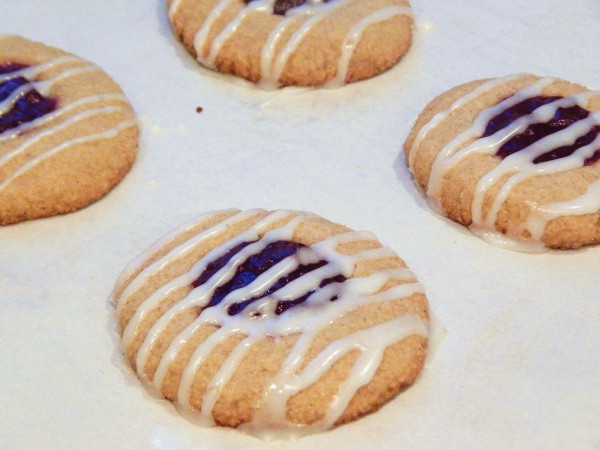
563,152
508,116
28,107
253,267
563,118
280,7
11,67
214,266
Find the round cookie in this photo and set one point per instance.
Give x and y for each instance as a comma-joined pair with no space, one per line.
68,135
516,159
273,322
295,42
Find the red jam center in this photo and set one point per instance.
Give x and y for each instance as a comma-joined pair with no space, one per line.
26,107
563,118
253,267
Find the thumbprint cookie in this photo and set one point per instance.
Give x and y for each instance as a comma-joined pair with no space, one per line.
68,135
516,159
273,322
295,42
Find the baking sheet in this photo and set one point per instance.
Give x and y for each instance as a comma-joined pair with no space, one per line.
518,365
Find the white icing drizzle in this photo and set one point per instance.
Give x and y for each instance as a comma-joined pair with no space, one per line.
267,53
301,320
272,63
184,280
371,342
108,134
43,87
181,250
517,167
482,89
450,155
354,36
500,240
116,103
136,263
66,124
101,98
202,34
521,164
33,71
586,203
173,7
231,28
316,12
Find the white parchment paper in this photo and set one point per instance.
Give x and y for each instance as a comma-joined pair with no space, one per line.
518,365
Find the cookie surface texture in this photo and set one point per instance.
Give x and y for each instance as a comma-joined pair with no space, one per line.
279,323
294,42
68,135
516,159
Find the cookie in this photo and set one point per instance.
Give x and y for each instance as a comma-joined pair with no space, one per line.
516,159
294,42
273,322
68,135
